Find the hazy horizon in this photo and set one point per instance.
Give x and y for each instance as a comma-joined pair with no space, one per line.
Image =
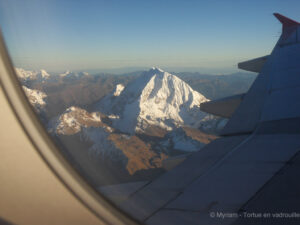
122,70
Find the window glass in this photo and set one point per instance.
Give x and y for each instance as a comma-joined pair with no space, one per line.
118,85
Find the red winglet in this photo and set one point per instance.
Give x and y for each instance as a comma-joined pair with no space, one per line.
286,22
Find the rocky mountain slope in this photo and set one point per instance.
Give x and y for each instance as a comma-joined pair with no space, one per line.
104,141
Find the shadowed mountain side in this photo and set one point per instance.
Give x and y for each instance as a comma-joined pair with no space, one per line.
183,140
133,159
198,135
99,170
109,156
139,154
82,91
153,132
101,140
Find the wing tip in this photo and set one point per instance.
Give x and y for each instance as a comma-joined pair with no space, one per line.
286,22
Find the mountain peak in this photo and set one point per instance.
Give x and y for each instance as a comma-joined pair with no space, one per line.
65,73
75,118
156,69
156,99
29,75
44,74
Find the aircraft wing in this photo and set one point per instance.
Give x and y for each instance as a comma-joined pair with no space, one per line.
252,168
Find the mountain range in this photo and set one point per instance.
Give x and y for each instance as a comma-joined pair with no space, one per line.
129,129
156,98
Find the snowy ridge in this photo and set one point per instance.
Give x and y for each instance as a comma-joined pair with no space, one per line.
119,88
69,74
44,74
65,73
35,97
26,75
74,118
156,98
91,128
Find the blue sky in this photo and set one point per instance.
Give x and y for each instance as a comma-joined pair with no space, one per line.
208,36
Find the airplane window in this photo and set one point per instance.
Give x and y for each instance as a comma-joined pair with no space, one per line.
148,106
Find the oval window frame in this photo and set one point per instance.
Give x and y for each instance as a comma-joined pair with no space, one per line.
49,152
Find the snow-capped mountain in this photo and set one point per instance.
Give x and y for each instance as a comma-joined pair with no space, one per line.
26,74
69,75
74,119
91,127
29,75
93,131
43,74
65,73
156,98
36,98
